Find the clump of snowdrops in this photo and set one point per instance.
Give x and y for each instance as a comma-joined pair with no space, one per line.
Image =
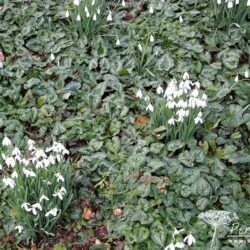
178,108
88,17
38,184
227,12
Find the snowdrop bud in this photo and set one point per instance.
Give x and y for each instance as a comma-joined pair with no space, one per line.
151,39
189,239
159,90
1,167
180,19
236,78
94,17
150,108
109,18
67,13
151,10
98,11
248,3
123,3
230,4
118,43
146,98
93,2
218,1
246,73
237,1
140,47
185,76
77,2
52,57
1,65
86,9
78,18
139,94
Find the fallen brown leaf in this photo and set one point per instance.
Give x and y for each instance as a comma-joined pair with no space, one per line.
88,214
141,120
117,211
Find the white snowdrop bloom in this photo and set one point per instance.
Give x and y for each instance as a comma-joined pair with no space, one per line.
66,13
171,89
181,113
16,152
19,228
180,19
25,162
140,47
109,18
177,232
60,193
139,94
52,57
185,76
195,93
14,174
1,65
78,18
171,104
93,2
6,141
230,4
29,173
4,156
171,121
59,177
39,153
123,3
94,17
31,144
118,43
150,107
151,10
246,74
170,247
8,182
204,97
26,206
197,120
52,212
10,161
77,2
248,3
218,1
1,167
45,162
151,39
98,11
197,85
236,78
181,104
159,90
39,164
58,147
86,9
190,239
179,244
35,207
146,98
52,159
43,197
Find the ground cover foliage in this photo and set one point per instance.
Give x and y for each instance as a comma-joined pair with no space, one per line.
132,186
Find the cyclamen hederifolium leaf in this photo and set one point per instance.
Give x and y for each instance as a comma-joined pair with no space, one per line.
201,188
165,63
158,233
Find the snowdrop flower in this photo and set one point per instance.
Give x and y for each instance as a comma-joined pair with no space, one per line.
246,74
151,10
139,94
16,152
123,3
52,57
140,47
159,90
94,17
52,159
6,141
8,182
177,232
218,1
204,97
35,207
146,98
78,18
59,177
150,107
10,161
39,153
86,9
170,247
60,193
197,85
230,4
66,13
109,18
19,228
170,104
180,19
58,147
14,174
1,167
151,39
29,173
171,121
118,43
45,162
1,65
185,76
43,197
93,2
26,206
248,3
52,212
31,144
77,2
98,11
198,118
195,93
189,239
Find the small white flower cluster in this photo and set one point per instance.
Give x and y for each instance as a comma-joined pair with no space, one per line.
189,240
231,3
182,101
32,167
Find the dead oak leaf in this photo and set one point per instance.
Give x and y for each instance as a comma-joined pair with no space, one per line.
141,120
88,214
